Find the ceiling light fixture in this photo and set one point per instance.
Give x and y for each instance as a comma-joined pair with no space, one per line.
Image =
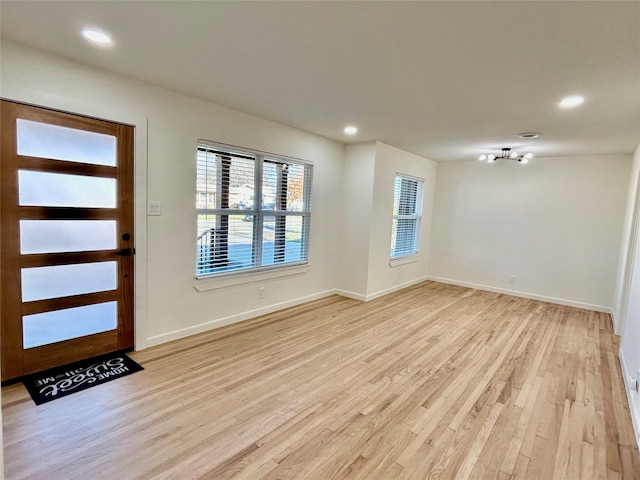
571,101
529,135
506,154
96,36
350,130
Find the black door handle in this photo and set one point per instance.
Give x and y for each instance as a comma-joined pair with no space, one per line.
125,252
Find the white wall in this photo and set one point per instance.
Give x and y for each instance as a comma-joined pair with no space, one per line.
630,304
555,224
382,278
624,264
168,125
369,177
357,197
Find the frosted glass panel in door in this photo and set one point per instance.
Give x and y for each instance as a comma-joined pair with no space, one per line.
58,325
59,190
37,139
40,283
52,236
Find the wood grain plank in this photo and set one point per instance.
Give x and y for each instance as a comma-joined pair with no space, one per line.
338,389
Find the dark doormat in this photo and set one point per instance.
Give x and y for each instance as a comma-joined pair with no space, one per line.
61,381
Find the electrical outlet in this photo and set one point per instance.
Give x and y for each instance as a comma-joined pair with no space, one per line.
154,208
261,292
512,279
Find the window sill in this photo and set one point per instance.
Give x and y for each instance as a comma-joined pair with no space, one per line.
213,283
396,262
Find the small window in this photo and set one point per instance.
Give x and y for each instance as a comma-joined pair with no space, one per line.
407,211
253,210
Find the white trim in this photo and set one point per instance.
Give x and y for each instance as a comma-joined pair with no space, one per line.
395,288
221,322
259,161
417,215
397,261
140,199
516,293
251,151
353,295
409,177
634,409
380,293
214,282
614,319
619,321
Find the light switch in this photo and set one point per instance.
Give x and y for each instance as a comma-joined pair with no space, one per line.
154,208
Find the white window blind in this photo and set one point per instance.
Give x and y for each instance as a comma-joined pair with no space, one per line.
407,212
253,210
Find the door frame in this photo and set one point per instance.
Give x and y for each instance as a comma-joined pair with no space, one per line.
117,114
631,253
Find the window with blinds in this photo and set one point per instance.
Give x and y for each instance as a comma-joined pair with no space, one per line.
253,210
407,211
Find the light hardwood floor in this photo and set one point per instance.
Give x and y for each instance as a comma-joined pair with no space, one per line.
435,381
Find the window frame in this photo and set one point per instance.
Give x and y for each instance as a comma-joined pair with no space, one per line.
257,212
416,216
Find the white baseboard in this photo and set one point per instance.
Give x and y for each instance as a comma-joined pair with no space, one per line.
615,318
395,288
634,405
221,322
210,325
633,399
381,293
517,293
348,294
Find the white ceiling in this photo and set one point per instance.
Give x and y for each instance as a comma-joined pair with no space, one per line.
446,80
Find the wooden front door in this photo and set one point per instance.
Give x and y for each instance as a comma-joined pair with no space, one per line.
66,289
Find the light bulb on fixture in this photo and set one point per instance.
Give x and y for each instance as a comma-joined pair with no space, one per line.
506,154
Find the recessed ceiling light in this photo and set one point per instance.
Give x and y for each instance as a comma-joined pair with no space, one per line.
97,36
350,130
571,101
529,135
